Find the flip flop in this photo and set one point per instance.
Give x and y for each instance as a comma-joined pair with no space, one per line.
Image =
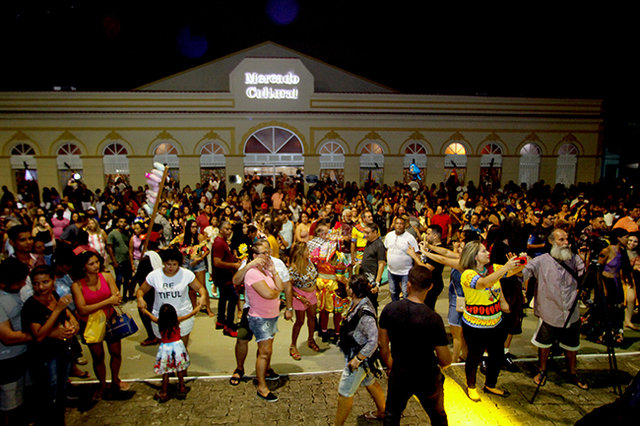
294,353
235,381
371,415
79,373
161,397
538,377
579,383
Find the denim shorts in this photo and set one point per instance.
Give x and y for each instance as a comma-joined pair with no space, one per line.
454,317
198,267
351,380
263,328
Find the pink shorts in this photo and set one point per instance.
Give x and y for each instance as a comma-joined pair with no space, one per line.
309,295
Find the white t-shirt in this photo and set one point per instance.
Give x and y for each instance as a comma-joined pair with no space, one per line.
398,261
174,291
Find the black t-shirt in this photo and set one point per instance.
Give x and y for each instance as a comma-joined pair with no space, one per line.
414,332
373,252
34,312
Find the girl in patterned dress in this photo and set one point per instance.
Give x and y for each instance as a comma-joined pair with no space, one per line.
172,355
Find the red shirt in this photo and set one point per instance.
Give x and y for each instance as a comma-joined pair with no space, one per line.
443,220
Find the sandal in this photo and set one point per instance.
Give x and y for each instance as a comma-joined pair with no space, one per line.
182,393
294,353
371,415
161,397
313,346
579,383
540,379
76,372
497,392
236,378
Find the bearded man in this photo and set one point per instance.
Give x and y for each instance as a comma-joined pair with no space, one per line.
557,274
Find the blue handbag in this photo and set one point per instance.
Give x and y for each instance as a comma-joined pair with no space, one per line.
119,326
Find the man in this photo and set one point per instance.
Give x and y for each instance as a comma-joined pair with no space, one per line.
538,240
557,274
13,342
161,219
244,334
374,259
414,362
398,261
630,221
118,249
21,241
71,232
358,240
286,232
442,219
224,265
434,238
203,218
474,224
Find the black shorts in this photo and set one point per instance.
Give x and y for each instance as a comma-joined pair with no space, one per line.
568,338
244,332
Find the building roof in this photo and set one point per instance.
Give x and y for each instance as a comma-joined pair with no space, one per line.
214,76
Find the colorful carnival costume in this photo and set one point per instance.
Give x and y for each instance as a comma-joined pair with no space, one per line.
330,262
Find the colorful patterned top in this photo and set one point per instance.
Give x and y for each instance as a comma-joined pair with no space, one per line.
482,306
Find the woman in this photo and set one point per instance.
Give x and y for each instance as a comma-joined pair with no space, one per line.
193,246
94,290
176,222
482,315
358,341
271,230
303,280
135,247
171,284
302,230
631,293
263,287
615,274
97,238
44,232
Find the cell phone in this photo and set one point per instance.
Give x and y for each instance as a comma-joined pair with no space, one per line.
522,260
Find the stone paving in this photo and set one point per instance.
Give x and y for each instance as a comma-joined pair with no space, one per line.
311,400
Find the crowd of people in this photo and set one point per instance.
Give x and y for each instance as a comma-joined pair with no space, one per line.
321,255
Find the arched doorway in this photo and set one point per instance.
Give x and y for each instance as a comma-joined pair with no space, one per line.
371,163
69,163
274,153
23,163
455,164
414,153
332,162
167,154
529,171
116,165
212,164
566,164
490,167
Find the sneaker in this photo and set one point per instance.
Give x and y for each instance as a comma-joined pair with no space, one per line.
229,332
509,365
483,366
271,375
270,397
219,325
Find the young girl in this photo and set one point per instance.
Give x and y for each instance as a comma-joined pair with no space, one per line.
172,355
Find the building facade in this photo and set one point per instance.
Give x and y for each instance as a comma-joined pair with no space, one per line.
271,110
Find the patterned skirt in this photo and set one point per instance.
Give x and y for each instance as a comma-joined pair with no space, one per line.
171,358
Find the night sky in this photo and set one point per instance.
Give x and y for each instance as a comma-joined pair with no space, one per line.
543,51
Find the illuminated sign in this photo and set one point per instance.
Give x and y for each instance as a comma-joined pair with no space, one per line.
266,90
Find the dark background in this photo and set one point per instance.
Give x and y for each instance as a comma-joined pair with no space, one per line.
534,50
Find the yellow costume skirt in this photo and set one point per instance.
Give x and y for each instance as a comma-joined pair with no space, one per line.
328,300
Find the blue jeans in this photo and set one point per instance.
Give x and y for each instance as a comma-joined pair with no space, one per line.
397,283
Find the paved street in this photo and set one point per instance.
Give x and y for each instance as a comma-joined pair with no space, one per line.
308,389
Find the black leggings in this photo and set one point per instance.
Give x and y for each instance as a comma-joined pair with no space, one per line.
478,340
227,304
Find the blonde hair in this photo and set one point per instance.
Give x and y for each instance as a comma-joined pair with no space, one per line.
469,253
299,259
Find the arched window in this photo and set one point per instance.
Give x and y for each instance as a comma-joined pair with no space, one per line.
166,153
414,153
455,148
212,163
23,153
371,163
332,162
69,163
273,152
116,163
529,164
566,164
455,156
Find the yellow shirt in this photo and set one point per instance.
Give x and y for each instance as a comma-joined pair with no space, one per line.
482,306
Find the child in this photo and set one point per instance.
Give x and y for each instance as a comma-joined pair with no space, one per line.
172,355
47,317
